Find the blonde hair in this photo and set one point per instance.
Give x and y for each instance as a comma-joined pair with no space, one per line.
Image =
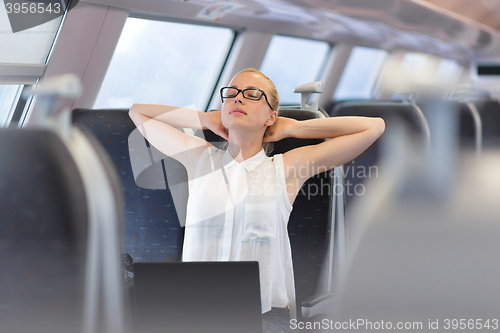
274,98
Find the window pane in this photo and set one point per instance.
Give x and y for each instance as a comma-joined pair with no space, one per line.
447,71
360,74
164,63
291,62
30,46
413,66
9,96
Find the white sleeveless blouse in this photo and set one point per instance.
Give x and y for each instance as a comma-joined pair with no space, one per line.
239,212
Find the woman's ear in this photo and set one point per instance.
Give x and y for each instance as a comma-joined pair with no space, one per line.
270,121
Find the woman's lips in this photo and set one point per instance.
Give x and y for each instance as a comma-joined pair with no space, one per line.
237,111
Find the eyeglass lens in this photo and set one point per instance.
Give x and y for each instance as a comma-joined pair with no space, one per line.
247,93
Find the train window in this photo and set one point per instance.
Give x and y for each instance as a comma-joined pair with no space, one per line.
9,96
164,63
291,62
23,58
360,73
29,46
414,65
447,71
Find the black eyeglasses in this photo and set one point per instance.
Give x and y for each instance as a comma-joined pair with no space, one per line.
252,94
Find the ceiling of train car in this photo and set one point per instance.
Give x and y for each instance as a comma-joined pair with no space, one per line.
485,11
388,24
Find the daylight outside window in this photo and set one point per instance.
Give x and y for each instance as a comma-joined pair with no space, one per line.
360,73
30,46
164,63
23,57
414,66
291,62
9,95
447,71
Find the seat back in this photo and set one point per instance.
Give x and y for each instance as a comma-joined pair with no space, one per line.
310,220
468,127
43,233
419,252
490,118
463,118
152,231
384,109
367,165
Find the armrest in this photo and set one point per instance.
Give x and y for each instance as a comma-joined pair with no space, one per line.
318,304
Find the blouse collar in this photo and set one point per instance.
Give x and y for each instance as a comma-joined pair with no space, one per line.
249,164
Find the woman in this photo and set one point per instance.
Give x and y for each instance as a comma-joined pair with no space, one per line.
240,199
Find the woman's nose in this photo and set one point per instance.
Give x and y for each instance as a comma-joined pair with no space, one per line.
238,99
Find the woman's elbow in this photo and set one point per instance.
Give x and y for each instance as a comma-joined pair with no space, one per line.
135,114
133,109
379,126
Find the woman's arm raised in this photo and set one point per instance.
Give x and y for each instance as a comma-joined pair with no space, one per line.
350,136
157,123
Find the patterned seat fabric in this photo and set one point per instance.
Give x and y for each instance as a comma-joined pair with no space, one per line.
152,231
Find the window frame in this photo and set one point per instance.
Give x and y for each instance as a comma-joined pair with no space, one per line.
214,93
320,76
22,108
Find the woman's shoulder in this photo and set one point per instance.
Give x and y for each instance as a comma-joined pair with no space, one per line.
277,158
278,163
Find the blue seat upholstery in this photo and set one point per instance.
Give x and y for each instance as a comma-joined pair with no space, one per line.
309,224
152,231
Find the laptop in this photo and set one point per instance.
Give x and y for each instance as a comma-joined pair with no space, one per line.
189,297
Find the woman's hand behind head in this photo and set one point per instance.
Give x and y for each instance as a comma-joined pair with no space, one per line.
213,122
282,128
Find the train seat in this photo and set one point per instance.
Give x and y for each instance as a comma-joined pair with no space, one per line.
352,178
489,111
43,231
419,254
470,127
463,120
366,166
152,220
60,263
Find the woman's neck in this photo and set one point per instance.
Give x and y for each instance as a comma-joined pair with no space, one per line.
242,147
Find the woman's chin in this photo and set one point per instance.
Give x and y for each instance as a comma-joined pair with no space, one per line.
238,126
